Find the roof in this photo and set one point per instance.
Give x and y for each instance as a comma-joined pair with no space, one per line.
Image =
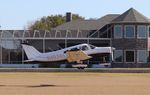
131,16
87,24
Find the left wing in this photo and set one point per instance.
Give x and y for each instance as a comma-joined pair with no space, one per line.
77,56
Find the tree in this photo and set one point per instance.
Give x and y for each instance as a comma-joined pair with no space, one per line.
46,23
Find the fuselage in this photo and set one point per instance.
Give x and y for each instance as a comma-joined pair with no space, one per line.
60,55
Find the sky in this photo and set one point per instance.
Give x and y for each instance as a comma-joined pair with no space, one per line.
18,14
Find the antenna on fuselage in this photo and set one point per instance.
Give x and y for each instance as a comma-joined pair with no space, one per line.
59,46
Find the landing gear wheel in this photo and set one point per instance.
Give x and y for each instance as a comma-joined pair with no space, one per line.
81,68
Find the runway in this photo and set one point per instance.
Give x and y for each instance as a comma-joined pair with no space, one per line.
74,83
100,70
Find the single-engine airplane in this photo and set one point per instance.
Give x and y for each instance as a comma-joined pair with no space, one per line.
77,53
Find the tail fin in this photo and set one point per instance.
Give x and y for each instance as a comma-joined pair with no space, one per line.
30,51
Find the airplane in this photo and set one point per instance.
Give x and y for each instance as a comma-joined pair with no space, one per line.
77,53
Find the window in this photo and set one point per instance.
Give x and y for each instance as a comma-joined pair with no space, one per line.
118,55
74,49
142,31
117,31
148,56
129,31
149,31
142,56
84,48
129,56
92,47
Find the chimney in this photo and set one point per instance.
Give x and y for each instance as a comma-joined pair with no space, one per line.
68,16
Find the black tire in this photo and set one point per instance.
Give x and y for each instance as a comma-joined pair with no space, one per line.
80,68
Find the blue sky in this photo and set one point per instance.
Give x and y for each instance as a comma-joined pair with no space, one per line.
17,14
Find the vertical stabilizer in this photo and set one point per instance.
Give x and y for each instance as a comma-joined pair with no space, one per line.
30,51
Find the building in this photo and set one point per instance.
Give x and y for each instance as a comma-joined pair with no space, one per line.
128,33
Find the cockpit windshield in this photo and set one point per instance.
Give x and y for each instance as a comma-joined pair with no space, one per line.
92,47
84,48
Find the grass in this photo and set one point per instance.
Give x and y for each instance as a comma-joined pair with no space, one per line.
74,83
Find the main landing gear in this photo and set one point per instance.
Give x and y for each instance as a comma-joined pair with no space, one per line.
80,66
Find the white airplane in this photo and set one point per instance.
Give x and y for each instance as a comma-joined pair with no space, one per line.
77,53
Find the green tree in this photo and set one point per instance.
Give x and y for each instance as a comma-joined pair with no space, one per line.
46,23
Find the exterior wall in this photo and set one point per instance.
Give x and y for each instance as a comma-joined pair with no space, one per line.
130,44
55,44
130,65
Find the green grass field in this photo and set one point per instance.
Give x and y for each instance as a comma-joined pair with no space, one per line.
74,84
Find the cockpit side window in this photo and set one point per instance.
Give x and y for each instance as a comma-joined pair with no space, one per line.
74,49
84,48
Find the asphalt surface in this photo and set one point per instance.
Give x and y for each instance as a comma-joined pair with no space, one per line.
100,70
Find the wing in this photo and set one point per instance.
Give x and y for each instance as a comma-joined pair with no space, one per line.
77,56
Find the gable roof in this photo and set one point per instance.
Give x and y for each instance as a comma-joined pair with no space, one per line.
87,24
131,16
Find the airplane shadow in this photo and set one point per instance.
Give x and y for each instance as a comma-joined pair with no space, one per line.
34,86
2,85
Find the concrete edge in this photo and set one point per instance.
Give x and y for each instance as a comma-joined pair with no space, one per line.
92,70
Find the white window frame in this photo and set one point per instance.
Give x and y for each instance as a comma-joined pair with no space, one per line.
125,31
138,56
148,31
116,37
148,54
122,56
146,36
125,56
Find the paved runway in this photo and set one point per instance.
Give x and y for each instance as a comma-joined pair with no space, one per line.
74,83
101,70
